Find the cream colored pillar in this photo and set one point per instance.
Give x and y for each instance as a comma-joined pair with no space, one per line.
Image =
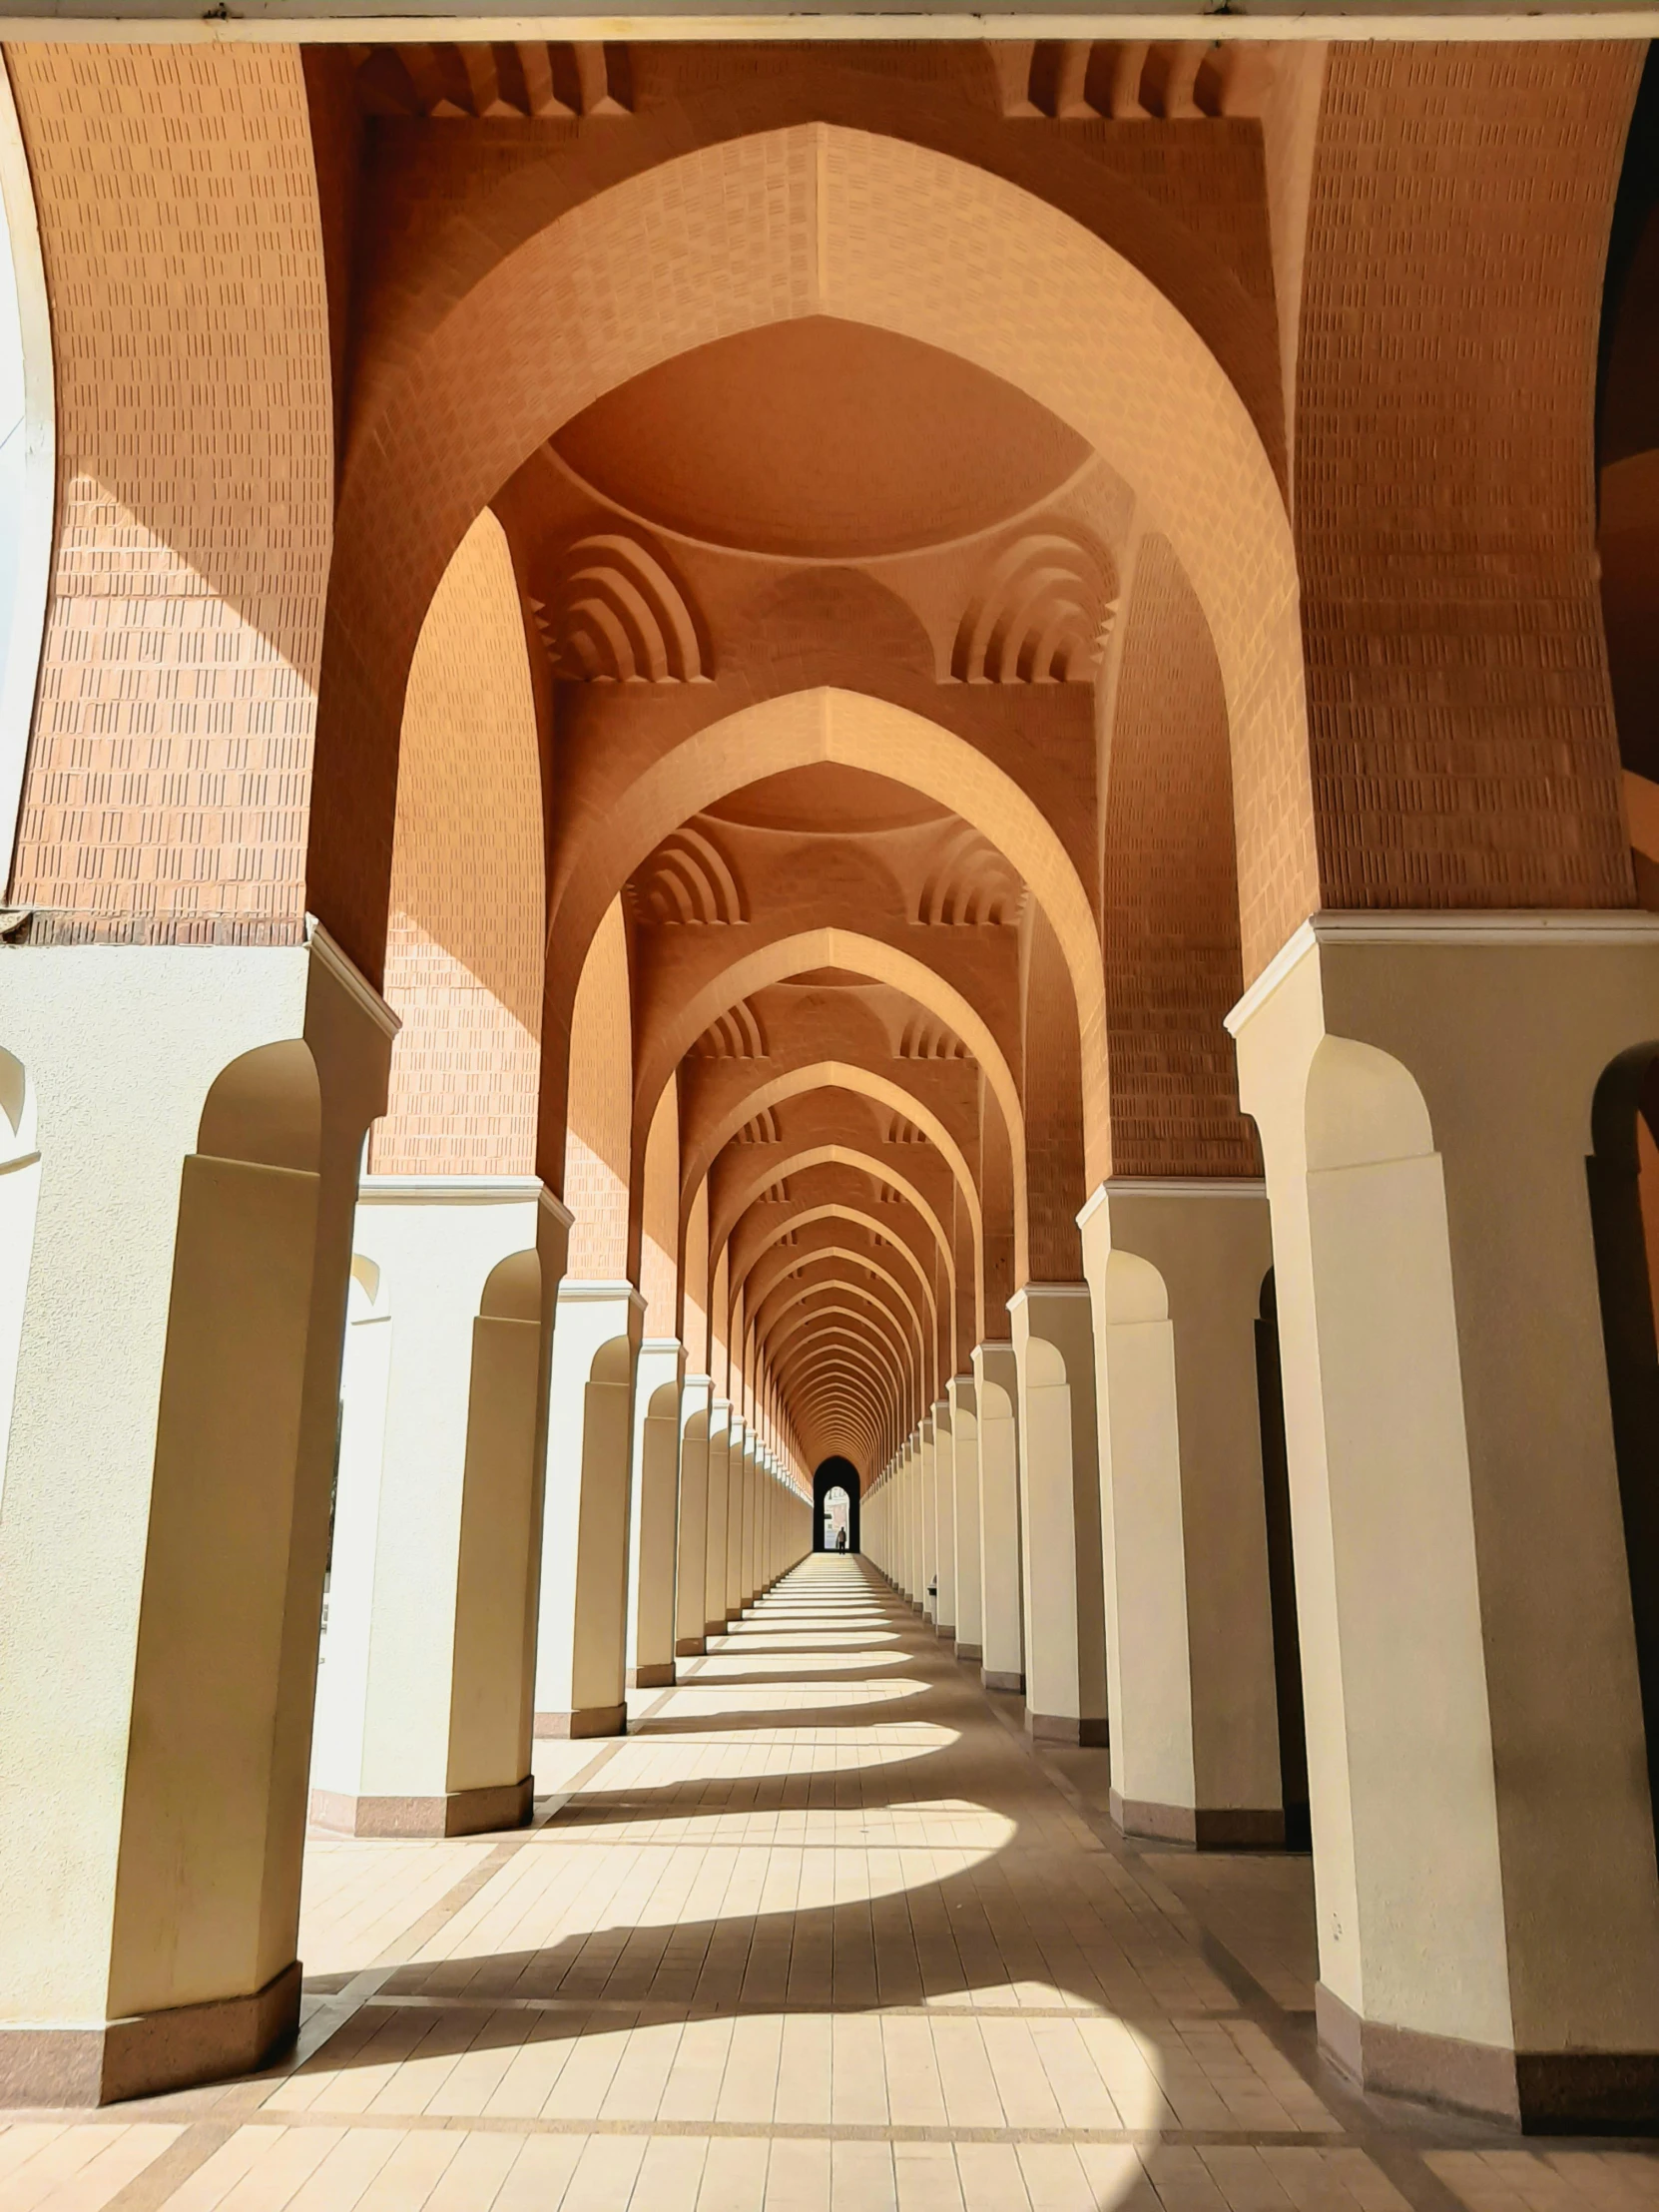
735,1445
928,1468
944,1520
1064,1623
1484,1850
176,1309
691,1556
583,1615
654,1514
1001,1573
965,1459
719,1444
750,1506
423,1694
1174,1272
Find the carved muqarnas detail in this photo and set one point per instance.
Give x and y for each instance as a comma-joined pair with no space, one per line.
1041,614
733,1035
901,1131
924,1038
619,616
528,77
688,880
761,1130
971,886
1130,79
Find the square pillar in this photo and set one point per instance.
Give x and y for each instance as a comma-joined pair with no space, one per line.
964,1452
175,1302
654,1514
1174,1272
1001,1573
944,1520
583,1620
720,1446
1064,1613
1427,1089
424,1697
691,1570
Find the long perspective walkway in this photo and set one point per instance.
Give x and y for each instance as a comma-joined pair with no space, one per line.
820,1934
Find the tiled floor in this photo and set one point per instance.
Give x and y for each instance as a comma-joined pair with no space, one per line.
820,1936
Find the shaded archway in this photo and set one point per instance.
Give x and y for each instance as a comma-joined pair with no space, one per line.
834,1473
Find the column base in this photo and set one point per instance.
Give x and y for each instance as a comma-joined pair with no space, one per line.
458,1812
1066,1728
587,1720
972,1652
1541,2092
713,1628
1204,1827
150,2051
690,1647
945,1631
995,1678
659,1676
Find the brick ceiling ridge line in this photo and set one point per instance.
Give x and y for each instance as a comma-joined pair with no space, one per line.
1017,519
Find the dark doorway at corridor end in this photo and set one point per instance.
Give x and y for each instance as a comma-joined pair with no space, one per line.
836,1473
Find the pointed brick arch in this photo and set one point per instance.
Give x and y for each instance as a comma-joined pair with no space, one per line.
813,218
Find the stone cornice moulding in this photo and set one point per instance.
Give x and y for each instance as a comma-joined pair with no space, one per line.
350,978
1045,1290
1170,1185
452,1190
115,22
580,1290
1449,932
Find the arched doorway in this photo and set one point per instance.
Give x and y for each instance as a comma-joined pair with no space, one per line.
836,1480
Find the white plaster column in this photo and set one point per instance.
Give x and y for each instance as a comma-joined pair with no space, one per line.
177,1309
654,1514
583,1619
1001,1548
424,1697
965,1459
927,1470
1425,1087
944,1520
1175,1272
918,1551
751,1503
1064,1624
692,1555
735,1445
720,1443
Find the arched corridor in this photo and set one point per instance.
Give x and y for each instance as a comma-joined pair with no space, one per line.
820,1932
829,783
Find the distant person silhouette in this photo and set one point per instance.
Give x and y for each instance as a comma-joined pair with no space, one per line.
841,1539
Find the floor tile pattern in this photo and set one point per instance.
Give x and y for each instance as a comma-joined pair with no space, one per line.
821,1933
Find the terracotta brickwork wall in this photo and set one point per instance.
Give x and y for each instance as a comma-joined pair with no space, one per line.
169,776
598,1129
1463,740
465,949
1171,922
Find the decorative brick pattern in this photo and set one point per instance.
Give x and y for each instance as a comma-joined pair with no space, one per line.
168,781
1170,929
465,953
1462,739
